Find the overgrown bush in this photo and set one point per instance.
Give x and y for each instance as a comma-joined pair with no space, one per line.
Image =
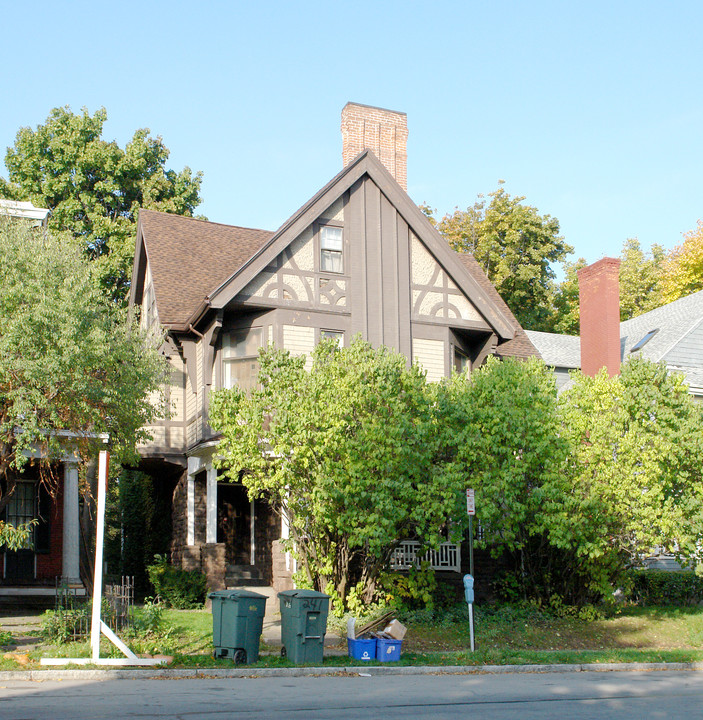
658,587
176,587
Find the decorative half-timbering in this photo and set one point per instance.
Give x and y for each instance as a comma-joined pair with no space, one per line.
359,258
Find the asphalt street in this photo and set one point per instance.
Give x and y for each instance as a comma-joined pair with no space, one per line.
576,696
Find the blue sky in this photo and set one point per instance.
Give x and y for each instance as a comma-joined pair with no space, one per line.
593,111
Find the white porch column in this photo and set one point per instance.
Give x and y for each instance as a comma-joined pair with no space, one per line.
70,570
211,506
193,465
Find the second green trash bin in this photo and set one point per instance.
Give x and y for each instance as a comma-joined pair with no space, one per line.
237,621
303,625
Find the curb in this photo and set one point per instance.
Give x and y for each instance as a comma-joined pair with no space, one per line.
384,671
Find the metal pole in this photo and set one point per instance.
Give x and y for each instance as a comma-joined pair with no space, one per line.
99,538
471,624
471,545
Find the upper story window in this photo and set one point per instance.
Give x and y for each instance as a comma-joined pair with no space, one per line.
461,361
336,335
331,249
240,358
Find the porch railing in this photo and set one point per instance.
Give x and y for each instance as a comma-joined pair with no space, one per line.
446,557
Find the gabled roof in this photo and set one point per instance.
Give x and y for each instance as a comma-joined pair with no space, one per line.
678,340
196,264
485,299
673,322
188,258
521,345
562,351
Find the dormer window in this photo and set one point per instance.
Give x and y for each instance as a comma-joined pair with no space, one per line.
331,249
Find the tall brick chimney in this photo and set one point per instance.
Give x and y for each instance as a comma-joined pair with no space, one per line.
385,132
599,308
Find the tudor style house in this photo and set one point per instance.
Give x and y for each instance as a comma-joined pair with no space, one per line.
358,258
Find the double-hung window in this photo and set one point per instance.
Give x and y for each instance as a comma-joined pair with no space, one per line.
331,249
240,358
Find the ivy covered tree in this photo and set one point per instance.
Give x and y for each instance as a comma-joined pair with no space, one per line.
516,247
71,363
346,453
94,188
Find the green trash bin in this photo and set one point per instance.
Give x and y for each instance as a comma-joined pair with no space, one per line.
237,620
303,625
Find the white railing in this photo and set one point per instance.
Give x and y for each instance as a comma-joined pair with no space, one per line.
447,557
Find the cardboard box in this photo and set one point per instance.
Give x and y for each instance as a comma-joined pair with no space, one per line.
395,629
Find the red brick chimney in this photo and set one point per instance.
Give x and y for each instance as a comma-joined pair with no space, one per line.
385,132
599,308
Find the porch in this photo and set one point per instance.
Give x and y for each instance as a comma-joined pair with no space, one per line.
447,557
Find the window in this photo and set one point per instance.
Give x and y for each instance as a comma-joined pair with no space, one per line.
461,361
331,249
336,335
21,508
240,358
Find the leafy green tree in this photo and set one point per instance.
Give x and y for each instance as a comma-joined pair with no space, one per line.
346,453
516,247
684,269
70,360
636,464
641,276
94,188
565,316
507,440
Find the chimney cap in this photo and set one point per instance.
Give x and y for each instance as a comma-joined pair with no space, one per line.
374,107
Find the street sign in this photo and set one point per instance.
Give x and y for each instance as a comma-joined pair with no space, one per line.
470,503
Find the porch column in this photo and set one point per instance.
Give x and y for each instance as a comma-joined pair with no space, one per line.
190,500
70,571
211,506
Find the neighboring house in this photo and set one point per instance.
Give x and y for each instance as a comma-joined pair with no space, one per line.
672,334
358,258
39,217
52,554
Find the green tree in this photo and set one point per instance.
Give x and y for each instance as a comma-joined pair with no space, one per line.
565,317
346,453
641,277
636,459
684,269
94,188
516,247
507,440
70,360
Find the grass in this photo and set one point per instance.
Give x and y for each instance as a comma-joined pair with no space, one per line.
504,635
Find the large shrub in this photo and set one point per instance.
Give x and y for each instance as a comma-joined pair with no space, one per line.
176,587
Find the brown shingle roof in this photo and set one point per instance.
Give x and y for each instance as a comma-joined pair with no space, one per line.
520,346
189,258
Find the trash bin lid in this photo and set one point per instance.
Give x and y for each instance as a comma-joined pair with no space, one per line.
236,594
302,594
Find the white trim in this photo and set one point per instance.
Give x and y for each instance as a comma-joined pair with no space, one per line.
211,505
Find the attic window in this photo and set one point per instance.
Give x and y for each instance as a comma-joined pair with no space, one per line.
331,256
645,340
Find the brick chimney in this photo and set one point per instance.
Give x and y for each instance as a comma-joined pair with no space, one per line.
385,132
599,308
